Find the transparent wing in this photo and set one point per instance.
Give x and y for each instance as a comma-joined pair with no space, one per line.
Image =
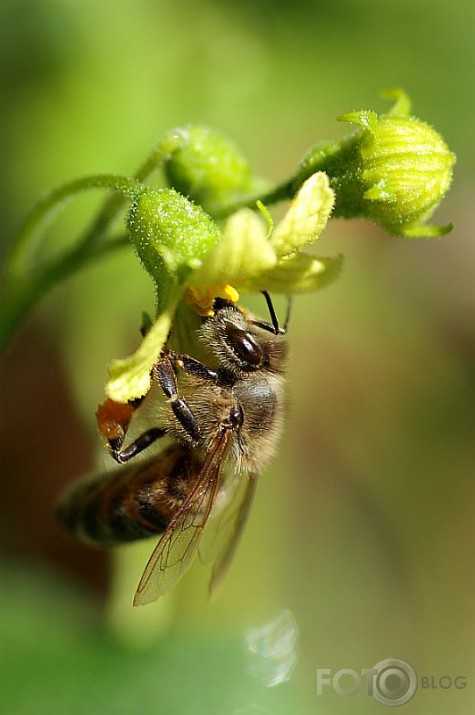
224,532
177,547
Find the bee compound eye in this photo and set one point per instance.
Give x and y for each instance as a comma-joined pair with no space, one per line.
244,345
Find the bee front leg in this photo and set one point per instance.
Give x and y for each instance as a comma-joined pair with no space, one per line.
113,419
164,373
190,366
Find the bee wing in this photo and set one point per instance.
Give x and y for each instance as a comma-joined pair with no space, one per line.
224,533
177,547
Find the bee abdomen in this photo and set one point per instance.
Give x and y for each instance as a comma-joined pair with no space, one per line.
130,504
108,512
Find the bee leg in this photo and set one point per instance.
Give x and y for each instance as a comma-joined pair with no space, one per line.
113,419
142,442
165,375
193,367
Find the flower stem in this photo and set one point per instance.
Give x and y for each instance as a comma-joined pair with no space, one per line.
26,279
23,295
25,242
114,203
281,192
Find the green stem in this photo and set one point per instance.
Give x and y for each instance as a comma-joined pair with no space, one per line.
24,284
330,157
23,246
112,205
25,293
282,192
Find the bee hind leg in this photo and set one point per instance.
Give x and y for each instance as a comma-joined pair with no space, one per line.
138,445
113,419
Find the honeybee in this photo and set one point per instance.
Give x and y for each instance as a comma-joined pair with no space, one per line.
230,412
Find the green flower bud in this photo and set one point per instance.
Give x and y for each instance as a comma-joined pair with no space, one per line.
171,236
208,168
394,170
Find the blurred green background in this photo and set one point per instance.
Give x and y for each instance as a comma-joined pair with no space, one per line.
360,545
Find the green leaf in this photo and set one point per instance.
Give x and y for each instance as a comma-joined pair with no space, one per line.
402,102
422,230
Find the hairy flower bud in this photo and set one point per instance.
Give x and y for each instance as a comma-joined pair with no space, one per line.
208,168
171,236
394,170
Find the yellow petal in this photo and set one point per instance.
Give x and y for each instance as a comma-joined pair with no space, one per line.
201,298
299,273
130,378
307,216
243,251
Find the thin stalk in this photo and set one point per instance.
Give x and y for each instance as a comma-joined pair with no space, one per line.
113,204
26,293
24,244
282,192
24,284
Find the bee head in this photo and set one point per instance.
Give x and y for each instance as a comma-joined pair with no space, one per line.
241,344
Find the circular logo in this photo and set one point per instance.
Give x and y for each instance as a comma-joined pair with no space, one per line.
395,682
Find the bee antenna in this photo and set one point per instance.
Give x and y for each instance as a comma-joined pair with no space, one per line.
288,314
273,316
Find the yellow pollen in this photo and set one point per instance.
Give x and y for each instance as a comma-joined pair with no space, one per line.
202,299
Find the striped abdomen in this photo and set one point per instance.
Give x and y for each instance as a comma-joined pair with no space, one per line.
133,502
